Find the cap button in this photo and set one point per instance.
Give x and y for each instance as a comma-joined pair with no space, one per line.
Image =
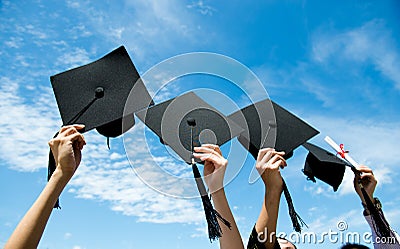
191,121
99,92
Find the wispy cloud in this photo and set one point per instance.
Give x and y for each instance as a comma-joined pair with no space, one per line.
202,8
73,58
148,28
370,43
25,127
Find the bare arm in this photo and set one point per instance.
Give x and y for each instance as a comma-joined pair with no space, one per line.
268,164
369,182
66,149
214,171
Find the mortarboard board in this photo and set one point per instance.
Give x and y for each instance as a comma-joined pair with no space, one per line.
270,125
267,124
169,120
187,121
323,165
95,95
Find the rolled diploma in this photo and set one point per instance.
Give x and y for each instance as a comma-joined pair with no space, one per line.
336,147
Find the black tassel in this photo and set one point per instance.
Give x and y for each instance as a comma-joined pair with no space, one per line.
297,221
214,230
382,227
50,170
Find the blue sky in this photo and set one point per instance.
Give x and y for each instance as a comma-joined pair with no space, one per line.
333,63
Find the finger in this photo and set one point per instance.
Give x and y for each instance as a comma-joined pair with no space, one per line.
210,158
76,126
211,146
76,138
202,156
277,157
277,161
278,164
367,176
204,149
198,155
267,157
262,152
364,169
214,147
70,130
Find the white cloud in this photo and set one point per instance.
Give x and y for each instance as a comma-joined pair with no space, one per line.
370,43
320,91
14,42
202,8
25,128
147,28
74,58
67,236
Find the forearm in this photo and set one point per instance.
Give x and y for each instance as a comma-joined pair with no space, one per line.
231,238
267,220
30,229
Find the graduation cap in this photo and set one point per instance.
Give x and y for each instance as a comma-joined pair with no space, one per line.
324,165
267,124
95,95
183,123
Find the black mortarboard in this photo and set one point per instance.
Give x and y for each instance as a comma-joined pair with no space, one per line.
96,94
323,165
266,125
187,121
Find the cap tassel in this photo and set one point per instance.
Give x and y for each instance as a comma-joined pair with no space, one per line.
381,226
214,230
297,221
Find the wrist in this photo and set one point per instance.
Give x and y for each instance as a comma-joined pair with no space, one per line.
376,202
61,175
218,193
274,191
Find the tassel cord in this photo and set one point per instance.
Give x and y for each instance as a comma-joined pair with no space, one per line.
297,221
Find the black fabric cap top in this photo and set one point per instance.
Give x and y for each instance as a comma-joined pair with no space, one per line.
187,116
95,94
324,165
267,124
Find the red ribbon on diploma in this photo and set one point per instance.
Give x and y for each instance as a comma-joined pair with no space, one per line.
342,152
